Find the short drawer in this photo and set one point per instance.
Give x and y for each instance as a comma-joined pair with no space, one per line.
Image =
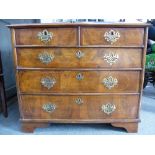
79,57
49,36
78,81
112,36
80,107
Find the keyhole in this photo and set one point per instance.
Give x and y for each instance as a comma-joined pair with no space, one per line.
79,76
45,32
112,33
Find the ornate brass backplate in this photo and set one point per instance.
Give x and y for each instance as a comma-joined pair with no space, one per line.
112,36
49,107
45,57
79,76
45,36
108,108
111,58
48,82
78,101
79,54
110,82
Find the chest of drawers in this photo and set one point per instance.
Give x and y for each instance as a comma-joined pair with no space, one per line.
79,73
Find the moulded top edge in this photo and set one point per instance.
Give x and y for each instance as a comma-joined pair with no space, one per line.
78,24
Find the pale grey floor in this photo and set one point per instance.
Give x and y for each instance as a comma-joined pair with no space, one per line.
11,125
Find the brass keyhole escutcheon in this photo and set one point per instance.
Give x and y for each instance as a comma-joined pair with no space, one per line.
79,76
45,57
79,54
110,82
79,101
48,82
108,108
45,36
49,107
112,36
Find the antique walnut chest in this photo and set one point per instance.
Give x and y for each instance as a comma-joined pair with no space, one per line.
79,73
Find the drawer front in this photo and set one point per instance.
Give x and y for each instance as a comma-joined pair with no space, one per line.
112,36
79,81
80,107
79,58
49,36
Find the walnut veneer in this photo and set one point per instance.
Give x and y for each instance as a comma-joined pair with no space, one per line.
79,73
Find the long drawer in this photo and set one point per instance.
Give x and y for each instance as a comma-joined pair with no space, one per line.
79,81
80,107
112,36
47,36
79,57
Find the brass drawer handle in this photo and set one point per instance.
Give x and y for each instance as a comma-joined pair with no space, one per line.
108,108
78,101
79,54
48,82
45,36
79,76
111,58
45,57
110,82
112,36
49,107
